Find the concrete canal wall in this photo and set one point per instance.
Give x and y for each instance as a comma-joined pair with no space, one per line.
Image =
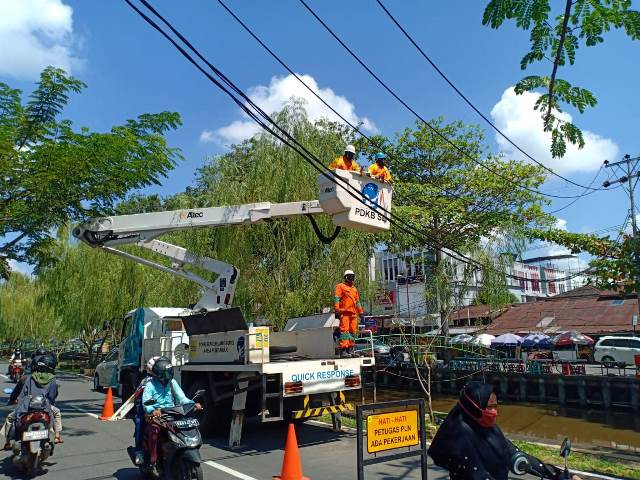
588,391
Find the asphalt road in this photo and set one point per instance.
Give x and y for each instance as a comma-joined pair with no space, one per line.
96,450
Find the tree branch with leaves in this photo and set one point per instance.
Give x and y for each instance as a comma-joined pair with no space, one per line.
51,173
581,22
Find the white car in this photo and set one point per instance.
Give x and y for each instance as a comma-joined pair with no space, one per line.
105,375
617,349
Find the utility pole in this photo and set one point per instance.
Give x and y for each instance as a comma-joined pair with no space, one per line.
628,174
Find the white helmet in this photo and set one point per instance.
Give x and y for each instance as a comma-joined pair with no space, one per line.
350,148
349,272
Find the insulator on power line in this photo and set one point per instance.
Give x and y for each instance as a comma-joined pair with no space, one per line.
606,184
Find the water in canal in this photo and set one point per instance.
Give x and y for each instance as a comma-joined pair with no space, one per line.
549,423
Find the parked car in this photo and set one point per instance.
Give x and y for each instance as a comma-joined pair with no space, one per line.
106,370
617,349
381,350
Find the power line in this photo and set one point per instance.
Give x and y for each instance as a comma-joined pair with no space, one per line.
289,141
318,96
584,194
300,149
436,131
468,102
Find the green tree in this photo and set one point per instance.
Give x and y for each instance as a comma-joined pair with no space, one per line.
22,314
285,270
555,37
51,173
614,265
90,291
454,201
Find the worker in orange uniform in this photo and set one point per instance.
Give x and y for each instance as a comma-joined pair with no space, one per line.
347,308
378,170
346,161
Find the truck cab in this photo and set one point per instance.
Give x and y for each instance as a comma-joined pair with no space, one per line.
148,332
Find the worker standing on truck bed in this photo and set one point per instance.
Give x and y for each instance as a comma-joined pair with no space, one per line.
347,308
346,161
378,170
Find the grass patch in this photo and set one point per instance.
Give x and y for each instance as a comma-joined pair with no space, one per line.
582,461
346,421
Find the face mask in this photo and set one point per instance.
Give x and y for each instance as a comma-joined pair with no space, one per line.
488,418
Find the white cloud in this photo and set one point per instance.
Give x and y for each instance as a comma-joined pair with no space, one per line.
20,267
515,116
271,99
35,34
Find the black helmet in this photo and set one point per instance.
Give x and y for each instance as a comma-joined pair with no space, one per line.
45,363
163,370
40,351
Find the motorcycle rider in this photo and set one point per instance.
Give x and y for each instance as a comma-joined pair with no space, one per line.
165,392
138,418
15,357
471,446
40,382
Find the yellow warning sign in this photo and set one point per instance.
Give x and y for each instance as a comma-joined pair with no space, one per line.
392,430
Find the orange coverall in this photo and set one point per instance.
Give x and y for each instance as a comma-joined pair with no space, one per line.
343,163
347,304
380,173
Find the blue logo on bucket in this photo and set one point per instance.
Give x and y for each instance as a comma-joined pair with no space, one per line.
240,347
370,192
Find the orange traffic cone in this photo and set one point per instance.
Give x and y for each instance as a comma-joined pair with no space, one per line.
291,466
107,410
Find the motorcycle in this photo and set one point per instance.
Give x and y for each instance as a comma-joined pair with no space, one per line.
16,370
521,464
33,445
178,445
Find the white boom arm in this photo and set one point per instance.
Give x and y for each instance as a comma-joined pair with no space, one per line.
361,212
142,228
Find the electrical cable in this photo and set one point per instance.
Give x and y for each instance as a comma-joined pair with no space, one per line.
584,194
468,102
314,93
436,131
311,159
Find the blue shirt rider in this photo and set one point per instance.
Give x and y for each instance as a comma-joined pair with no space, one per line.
165,393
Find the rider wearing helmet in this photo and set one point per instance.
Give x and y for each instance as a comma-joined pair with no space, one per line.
16,356
165,393
41,381
138,419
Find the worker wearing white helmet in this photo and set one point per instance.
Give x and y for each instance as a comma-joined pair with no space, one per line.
346,161
347,307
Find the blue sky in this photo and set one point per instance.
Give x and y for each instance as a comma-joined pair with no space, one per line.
130,70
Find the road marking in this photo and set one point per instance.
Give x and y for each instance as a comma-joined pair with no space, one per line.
4,376
228,470
82,410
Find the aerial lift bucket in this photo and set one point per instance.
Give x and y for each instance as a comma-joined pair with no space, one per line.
356,201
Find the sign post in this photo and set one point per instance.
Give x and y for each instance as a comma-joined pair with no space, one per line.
387,426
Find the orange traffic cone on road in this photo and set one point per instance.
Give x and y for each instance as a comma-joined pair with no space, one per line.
291,466
107,410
